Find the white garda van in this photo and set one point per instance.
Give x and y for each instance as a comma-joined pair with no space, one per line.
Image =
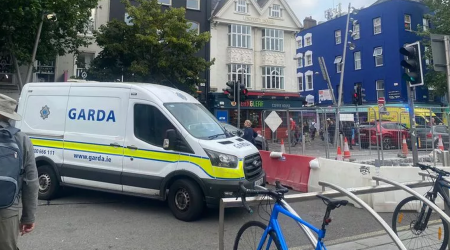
137,139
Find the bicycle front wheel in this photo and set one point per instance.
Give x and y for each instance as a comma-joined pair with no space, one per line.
250,235
431,234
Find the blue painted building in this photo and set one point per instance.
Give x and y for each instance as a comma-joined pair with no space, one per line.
380,31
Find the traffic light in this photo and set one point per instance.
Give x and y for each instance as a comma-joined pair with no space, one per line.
243,91
412,64
231,91
359,94
355,98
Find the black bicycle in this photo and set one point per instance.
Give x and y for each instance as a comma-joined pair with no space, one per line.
414,221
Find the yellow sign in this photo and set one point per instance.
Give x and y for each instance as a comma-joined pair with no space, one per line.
258,20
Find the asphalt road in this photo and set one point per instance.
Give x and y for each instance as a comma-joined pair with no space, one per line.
84,220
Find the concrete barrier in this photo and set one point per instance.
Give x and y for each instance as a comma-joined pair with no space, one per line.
354,175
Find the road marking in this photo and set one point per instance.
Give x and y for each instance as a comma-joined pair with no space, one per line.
358,237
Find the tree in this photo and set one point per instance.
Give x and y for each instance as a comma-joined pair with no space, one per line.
19,22
159,47
440,24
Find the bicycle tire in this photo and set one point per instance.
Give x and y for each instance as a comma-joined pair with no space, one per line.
413,198
261,225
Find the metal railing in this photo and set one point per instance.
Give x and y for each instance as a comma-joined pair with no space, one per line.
351,192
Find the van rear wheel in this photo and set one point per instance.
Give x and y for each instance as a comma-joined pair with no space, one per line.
48,183
186,200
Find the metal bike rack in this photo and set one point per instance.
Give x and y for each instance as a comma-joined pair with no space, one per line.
419,196
386,227
251,201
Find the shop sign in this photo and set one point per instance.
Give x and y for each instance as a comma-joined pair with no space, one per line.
253,104
394,95
258,20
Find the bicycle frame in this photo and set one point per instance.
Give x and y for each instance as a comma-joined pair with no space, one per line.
273,225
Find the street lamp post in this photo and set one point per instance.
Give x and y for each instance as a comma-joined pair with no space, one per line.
49,16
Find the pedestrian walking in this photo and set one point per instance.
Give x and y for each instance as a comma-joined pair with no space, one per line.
249,133
20,164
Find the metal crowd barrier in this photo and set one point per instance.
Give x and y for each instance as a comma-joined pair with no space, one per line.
350,192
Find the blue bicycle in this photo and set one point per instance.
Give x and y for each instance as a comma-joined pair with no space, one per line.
271,233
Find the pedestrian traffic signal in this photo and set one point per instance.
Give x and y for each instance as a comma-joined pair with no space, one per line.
231,91
412,64
243,92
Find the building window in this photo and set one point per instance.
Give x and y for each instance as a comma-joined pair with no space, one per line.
128,20
300,60
193,4
308,58
241,6
235,72
427,58
380,88
337,36
275,10
308,39
377,25
239,36
378,54
309,80
165,2
338,62
272,39
426,24
356,31
300,82
194,26
357,56
300,42
408,22
90,26
273,77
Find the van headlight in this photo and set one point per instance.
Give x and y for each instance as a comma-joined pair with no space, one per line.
222,160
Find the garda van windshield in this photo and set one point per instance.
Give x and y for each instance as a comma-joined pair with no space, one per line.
197,120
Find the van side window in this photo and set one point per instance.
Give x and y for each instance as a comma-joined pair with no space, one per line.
150,125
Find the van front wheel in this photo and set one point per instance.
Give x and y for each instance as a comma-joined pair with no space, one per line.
48,183
186,200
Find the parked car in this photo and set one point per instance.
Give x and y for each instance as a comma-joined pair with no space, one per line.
260,141
391,133
430,135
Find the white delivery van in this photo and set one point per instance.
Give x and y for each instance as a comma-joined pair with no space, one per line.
137,139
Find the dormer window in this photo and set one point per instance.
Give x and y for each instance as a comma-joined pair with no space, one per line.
275,11
241,6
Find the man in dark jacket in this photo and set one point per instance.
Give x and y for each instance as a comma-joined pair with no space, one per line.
249,133
10,223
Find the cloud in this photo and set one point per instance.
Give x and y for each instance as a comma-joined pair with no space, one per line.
316,8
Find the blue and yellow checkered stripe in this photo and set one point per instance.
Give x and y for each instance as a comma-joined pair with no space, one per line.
151,155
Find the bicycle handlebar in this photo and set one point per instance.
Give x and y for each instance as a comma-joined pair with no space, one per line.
276,194
434,169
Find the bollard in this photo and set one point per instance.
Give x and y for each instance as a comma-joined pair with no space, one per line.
303,144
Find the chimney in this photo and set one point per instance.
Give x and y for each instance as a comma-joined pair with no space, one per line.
309,22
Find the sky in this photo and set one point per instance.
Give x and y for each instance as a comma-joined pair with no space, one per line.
316,8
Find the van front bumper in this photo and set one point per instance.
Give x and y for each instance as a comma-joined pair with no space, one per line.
216,189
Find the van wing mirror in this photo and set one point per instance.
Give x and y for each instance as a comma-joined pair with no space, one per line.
170,139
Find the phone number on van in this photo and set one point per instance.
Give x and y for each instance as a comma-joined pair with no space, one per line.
44,151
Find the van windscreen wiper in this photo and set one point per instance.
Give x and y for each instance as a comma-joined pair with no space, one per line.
215,136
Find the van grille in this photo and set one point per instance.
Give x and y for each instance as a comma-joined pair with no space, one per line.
252,166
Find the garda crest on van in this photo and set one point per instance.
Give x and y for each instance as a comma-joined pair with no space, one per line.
92,115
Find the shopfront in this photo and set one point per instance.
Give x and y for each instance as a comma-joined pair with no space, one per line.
254,107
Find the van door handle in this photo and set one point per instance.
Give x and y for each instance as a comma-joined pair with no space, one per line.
132,147
115,144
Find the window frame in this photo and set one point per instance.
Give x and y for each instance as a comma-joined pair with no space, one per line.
338,62
198,5
239,37
356,61
240,6
269,72
308,54
425,23
300,43
378,55
235,75
308,36
356,31
338,36
407,22
300,60
309,73
272,11
275,37
380,89
167,4
198,26
375,26
300,83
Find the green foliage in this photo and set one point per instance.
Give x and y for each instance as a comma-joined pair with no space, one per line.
158,47
440,24
20,19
